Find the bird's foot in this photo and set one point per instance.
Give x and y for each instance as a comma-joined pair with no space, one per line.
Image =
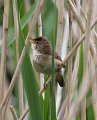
65,66
45,85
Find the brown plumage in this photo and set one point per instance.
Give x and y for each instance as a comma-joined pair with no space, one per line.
42,59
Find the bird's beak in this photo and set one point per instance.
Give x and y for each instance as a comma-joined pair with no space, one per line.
32,40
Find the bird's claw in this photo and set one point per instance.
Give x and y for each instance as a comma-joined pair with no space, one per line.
45,85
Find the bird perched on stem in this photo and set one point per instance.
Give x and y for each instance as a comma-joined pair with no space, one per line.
42,59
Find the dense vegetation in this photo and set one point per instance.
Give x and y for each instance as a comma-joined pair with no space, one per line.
70,26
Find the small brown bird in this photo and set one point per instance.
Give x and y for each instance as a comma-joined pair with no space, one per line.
42,59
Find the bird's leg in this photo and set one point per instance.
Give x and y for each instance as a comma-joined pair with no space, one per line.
65,66
45,85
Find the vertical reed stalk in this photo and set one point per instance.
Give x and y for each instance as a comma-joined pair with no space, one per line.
59,38
40,34
40,26
94,68
20,84
75,72
4,50
86,54
94,87
69,64
60,26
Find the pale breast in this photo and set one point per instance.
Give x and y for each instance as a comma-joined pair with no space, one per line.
43,63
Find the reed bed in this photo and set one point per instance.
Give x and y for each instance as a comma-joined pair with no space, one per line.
70,26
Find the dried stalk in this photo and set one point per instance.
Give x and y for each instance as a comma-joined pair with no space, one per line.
81,24
75,72
39,26
86,20
40,34
74,77
76,64
44,88
94,88
86,54
13,113
60,26
69,65
77,16
85,83
18,68
59,38
62,110
5,109
20,84
92,47
82,93
77,44
94,69
24,114
83,109
4,49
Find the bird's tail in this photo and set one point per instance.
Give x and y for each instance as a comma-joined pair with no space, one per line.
59,79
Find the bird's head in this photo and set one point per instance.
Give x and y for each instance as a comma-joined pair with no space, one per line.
41,44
